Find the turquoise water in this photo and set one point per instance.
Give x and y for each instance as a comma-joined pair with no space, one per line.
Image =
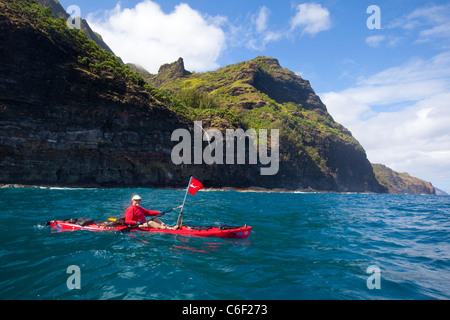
302,246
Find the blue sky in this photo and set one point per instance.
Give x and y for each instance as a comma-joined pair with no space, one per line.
389,86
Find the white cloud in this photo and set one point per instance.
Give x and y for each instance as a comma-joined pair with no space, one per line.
311,18
262,19
415,80
379,40
254,32
427,24
375,41
411,132
150,37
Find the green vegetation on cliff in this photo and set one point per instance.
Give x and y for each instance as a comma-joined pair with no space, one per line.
59,12
91,56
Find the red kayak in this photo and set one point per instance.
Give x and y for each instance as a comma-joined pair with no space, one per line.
200,231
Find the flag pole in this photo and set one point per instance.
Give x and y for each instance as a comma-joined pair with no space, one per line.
182,206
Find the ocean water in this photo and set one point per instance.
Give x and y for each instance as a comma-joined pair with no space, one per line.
302,246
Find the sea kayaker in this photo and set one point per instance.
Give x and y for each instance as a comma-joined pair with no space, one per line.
135,215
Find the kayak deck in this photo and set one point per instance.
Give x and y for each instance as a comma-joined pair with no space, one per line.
201,231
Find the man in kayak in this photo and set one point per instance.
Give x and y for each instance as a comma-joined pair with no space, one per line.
135,215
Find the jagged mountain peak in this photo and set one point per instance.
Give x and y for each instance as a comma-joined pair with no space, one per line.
169,72
176,67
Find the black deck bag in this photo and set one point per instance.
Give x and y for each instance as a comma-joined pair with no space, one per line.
84,222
